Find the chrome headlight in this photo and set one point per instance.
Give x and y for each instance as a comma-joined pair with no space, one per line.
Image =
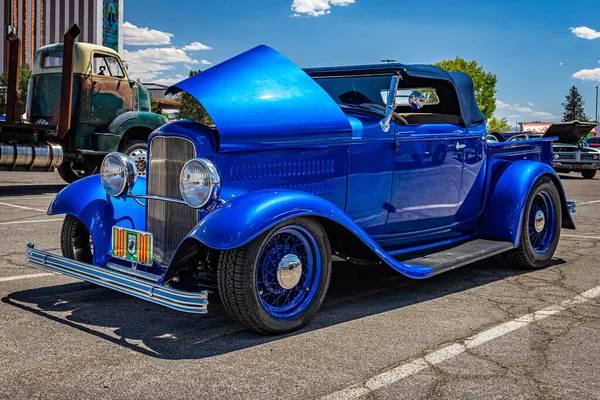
117,174
200,182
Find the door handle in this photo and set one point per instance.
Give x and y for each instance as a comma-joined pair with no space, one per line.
460,146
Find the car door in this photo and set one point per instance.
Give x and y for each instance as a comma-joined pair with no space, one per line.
111,91
426,178
473,179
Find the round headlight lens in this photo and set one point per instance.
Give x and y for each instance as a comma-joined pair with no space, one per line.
200,182
117,174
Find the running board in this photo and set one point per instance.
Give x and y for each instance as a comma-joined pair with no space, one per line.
457,256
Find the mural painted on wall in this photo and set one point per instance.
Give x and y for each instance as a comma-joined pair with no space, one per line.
110,24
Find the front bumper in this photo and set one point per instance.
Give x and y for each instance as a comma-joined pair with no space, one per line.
191,302
568,166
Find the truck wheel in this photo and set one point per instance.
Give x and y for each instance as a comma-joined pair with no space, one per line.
588,173
138,151
278,281
71,171
75,240
540,229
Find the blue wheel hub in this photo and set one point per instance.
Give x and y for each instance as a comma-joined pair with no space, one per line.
541,221
288,271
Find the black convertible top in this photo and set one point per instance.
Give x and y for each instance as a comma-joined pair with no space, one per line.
461,101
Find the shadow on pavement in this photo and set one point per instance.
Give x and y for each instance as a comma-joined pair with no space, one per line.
355,292
30,190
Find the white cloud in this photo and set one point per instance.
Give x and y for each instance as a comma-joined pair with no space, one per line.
585,33
169,81
133,35
531,113
562,63
588,74
205,62
196,46
146,64
316,8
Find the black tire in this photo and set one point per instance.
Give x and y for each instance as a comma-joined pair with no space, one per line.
525,256
588,173
238,289
75,240
135,148
71,171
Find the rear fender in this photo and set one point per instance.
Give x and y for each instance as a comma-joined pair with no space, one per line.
503,213
86,200
243,218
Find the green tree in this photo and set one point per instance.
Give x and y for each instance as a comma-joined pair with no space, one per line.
574,106
24,77
484,82
190,108
498,124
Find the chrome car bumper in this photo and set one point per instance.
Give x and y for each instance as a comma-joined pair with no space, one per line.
568,166
191,302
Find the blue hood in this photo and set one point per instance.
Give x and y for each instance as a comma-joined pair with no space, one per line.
260,96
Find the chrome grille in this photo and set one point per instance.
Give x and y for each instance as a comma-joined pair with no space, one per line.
168,222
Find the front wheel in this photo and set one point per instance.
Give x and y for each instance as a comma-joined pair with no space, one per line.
277,282
138,151
540,228
76,241
588,173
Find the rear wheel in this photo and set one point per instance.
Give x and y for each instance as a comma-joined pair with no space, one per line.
540,228
278,281
76,241
71,171
588,173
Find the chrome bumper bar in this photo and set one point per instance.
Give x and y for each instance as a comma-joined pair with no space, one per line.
191,302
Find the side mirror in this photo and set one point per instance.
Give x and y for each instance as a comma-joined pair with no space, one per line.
390,104
416,100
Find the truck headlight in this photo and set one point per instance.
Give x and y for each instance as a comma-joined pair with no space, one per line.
117,174
200,182
556,156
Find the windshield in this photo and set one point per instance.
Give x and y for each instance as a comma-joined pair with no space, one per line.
356,90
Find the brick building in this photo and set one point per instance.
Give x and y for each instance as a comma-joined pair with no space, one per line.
41,22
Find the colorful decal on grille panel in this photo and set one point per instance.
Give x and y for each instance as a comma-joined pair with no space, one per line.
132,245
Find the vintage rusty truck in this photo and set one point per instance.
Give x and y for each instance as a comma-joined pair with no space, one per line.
81,105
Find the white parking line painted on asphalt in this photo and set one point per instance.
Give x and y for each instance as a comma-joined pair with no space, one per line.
29,276
580,236
27,197
588,202
22,207
30,221
445,353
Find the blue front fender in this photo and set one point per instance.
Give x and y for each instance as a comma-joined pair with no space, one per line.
511,183
245,217
87,201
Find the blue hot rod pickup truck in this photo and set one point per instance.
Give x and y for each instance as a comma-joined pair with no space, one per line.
385,164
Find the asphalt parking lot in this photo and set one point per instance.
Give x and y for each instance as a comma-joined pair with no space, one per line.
483,331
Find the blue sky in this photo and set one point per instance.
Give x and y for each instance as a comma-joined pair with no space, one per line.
530,45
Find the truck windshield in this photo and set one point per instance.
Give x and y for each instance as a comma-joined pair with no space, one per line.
52,59
356,90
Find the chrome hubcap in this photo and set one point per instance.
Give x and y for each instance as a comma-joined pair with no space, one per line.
289,271
139,159
540,221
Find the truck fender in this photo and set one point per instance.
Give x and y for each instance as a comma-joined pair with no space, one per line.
243,218
133,119
503,212
86,200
